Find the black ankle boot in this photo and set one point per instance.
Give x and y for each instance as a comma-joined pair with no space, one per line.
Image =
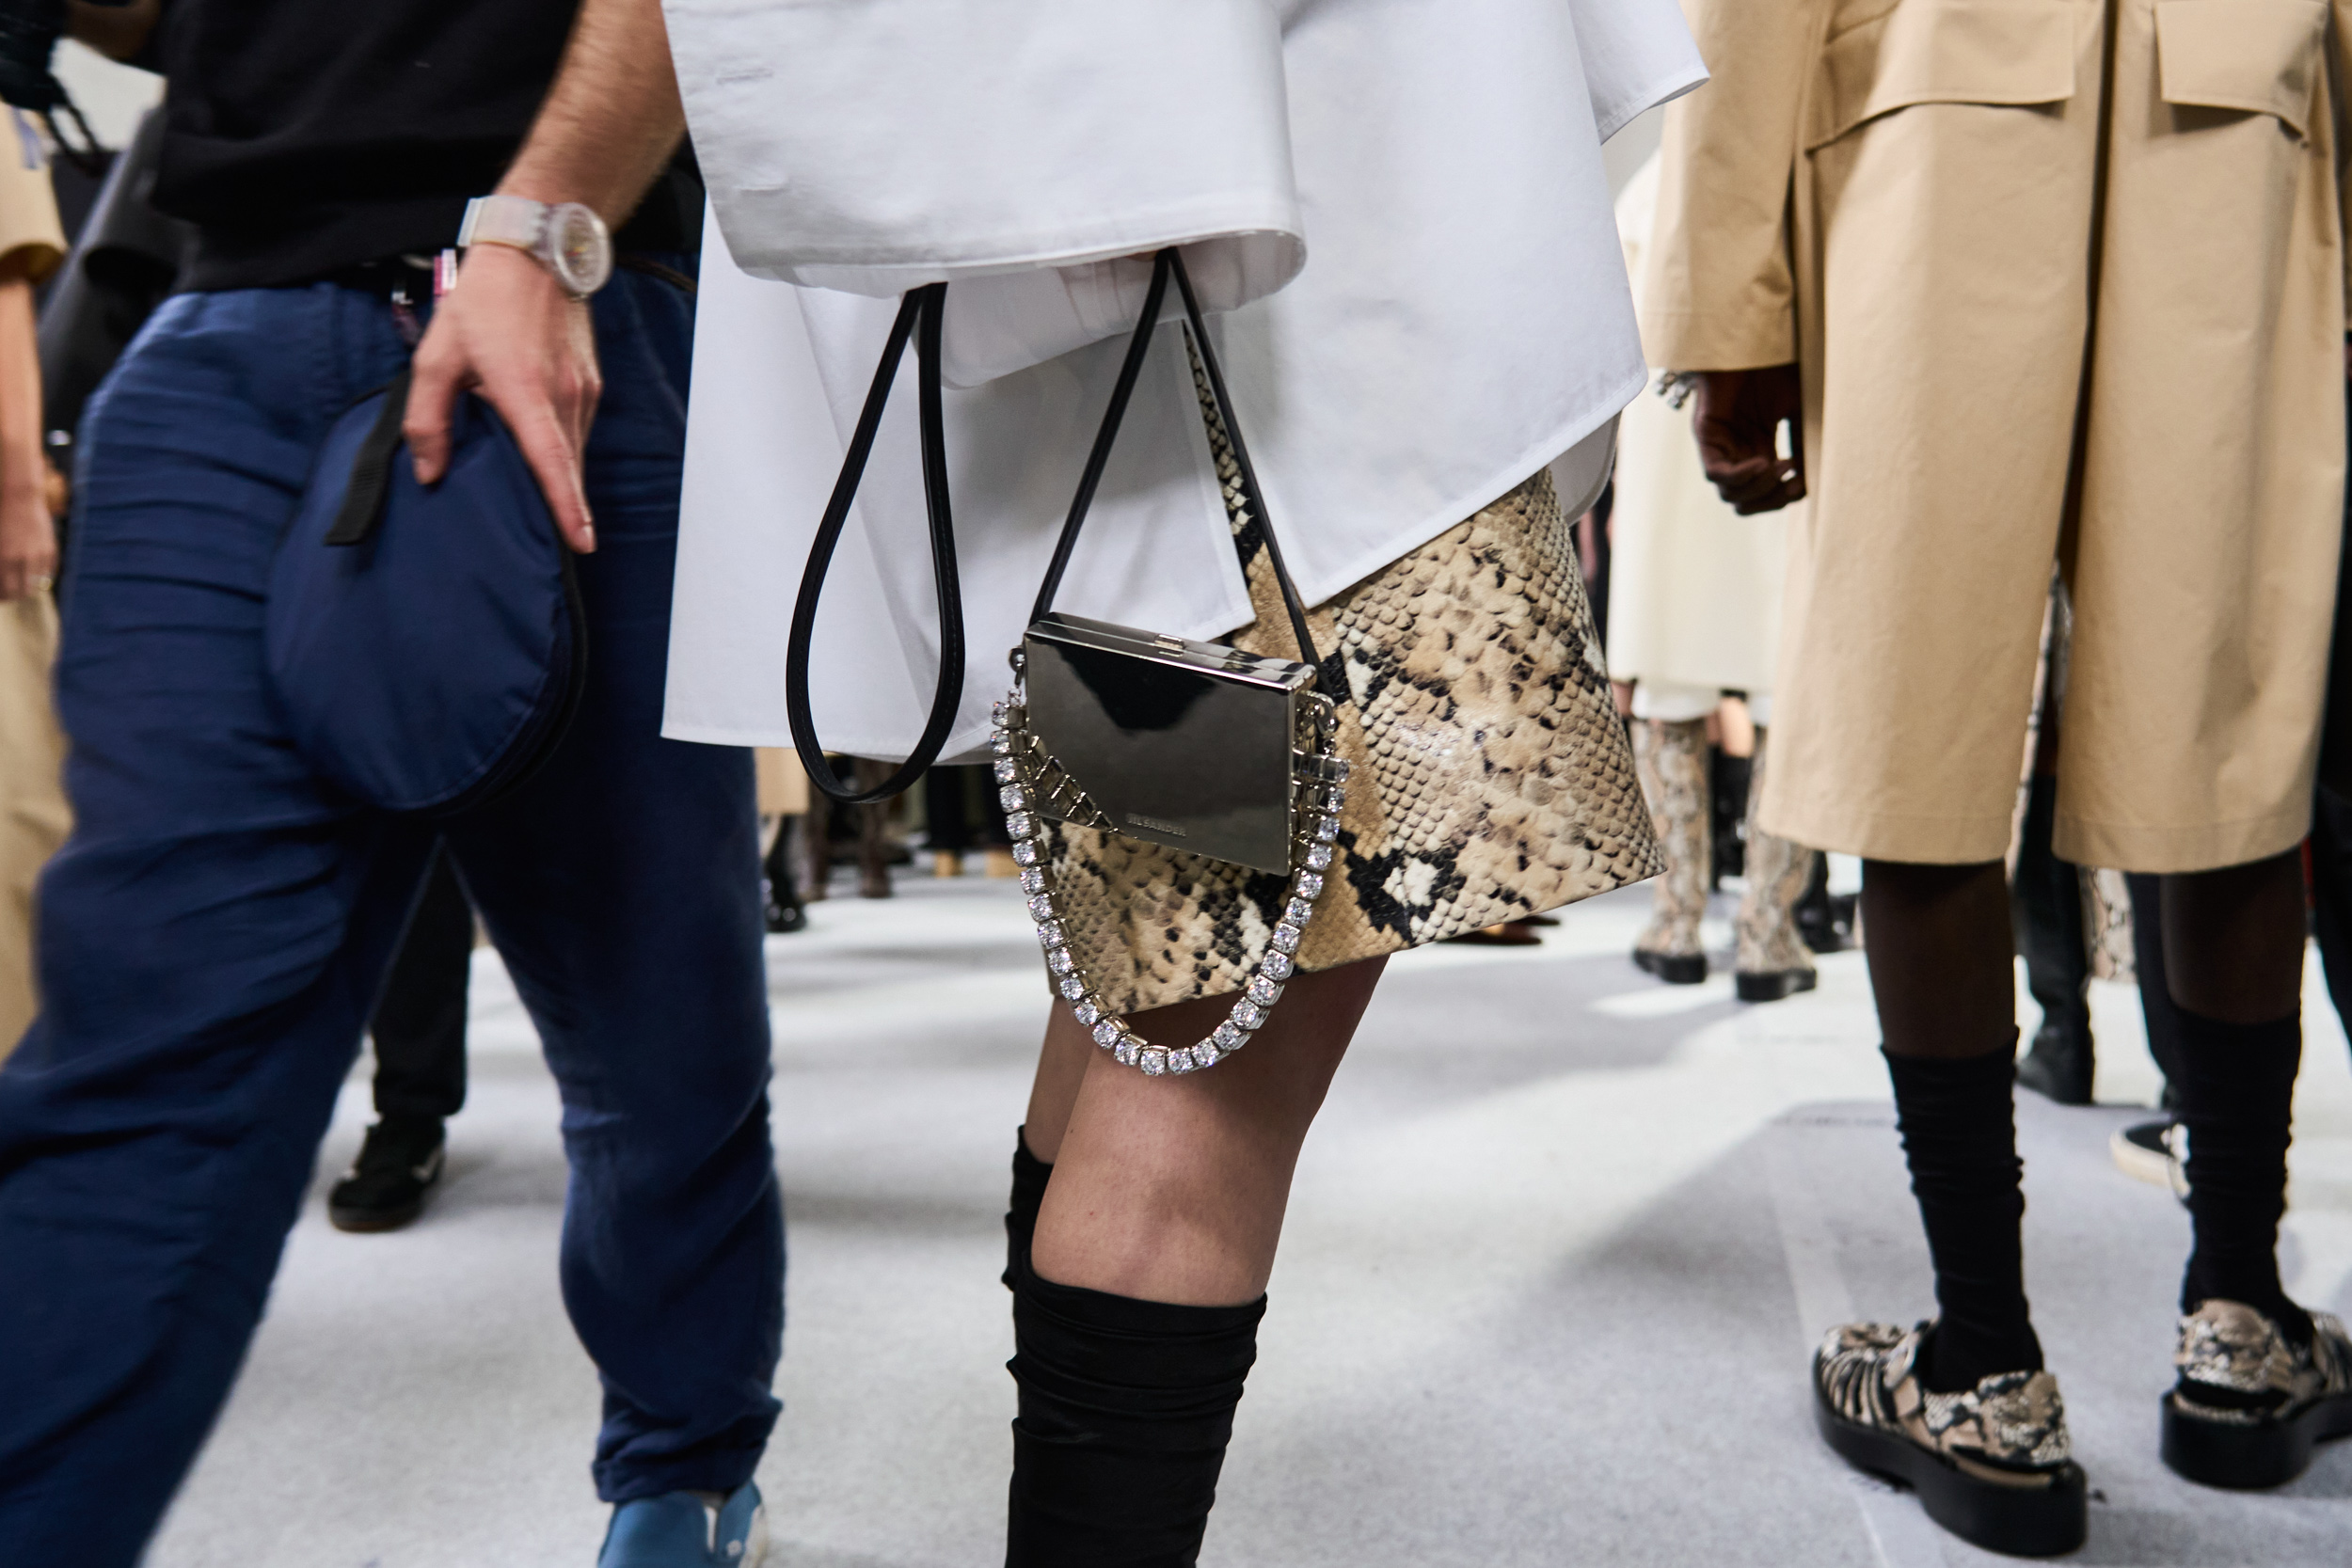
1030,1176
780,895
2059,1066
1825,920
1126,1407
399,1163
1727,799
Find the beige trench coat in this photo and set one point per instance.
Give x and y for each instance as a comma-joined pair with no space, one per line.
1934,206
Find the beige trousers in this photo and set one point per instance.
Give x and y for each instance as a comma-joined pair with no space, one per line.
33,813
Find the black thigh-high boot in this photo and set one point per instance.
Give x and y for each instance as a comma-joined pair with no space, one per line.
2156,989
1030,1176
2045,901
1126,1407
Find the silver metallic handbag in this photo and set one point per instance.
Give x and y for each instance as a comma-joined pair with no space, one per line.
1196,746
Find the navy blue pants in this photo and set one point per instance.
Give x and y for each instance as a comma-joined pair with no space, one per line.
214,935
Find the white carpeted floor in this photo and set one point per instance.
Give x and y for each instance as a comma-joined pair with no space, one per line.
1559,1250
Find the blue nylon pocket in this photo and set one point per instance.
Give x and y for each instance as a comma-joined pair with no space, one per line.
425,646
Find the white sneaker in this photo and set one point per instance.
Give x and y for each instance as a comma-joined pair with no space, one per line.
2155,1153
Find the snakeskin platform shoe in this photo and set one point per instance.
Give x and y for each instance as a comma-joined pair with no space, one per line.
2249,1405
1991,1464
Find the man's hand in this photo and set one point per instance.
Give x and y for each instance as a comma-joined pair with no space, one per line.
29,535
508,332
1738,425
28,541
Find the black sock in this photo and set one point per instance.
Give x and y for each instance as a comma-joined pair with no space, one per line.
1126,1407
1030,1176
2237,1088
1960,1135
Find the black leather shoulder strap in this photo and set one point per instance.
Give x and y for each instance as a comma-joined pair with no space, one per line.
919,316
1169,265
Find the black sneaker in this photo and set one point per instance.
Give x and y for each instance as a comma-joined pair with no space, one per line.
385,1189
2060,1066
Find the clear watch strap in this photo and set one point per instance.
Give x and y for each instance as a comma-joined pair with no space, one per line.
515,220
1320,789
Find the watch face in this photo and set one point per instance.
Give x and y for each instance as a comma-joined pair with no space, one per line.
580,251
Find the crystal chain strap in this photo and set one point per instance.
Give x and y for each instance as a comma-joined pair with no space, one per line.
1320,777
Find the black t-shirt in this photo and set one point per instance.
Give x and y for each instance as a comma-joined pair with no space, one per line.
304,137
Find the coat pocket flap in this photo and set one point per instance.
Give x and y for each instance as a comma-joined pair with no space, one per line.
2006,52
2261,57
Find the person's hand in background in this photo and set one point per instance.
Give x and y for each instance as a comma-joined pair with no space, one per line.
28,531
28,540
1737,424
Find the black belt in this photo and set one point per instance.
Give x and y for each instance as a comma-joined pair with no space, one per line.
385,277
388,275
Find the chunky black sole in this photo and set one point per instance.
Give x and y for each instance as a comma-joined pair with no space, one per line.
1676,969
2015,1521
370,1221
1776,986
2251,1458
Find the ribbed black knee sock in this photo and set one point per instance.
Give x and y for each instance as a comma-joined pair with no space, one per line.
1960,1135
2237,1088
1126,1407
1030,1176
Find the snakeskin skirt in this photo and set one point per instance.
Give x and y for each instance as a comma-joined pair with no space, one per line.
1492,775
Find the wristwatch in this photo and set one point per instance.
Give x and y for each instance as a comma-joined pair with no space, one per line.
566,238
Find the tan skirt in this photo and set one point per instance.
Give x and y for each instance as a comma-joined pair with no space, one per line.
1491,777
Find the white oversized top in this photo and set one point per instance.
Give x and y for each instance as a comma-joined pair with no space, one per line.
1461,317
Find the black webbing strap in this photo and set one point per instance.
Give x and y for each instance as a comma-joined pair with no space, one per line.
362,511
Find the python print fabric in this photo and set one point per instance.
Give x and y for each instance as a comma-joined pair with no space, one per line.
2229,1346
1670,758
1868,1374
2107,924
1492,775
1765,929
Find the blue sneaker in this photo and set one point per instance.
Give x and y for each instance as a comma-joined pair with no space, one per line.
679,1529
